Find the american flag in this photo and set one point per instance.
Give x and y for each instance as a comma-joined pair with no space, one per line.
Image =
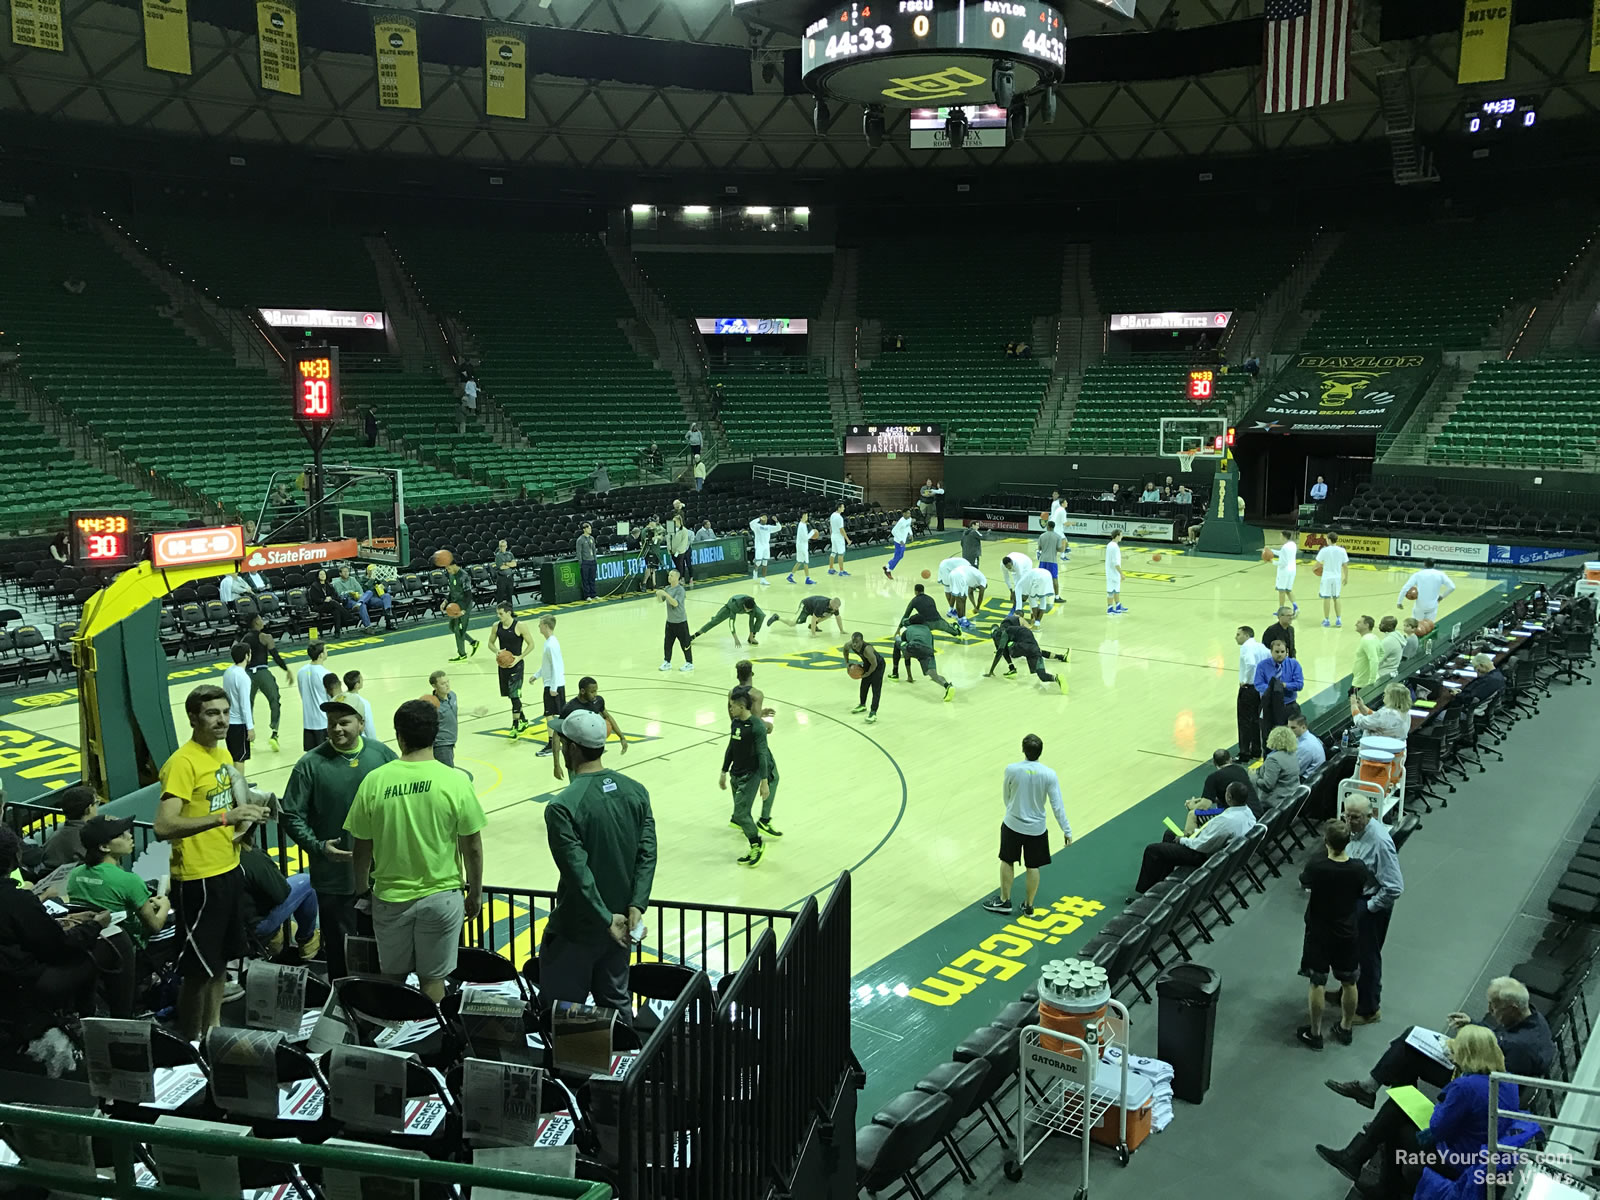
1306,45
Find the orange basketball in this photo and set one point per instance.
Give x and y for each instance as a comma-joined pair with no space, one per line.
926,574
268,642
856,670
452,609
430,698
1155,558
1424,627
505,658
1317,570
443,558
1267,555
1411,593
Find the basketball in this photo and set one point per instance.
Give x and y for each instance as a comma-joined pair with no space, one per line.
1411,593
1267,555
1424,627
430,698
1317,570
452,609
926,574
1155,558
505,658
268,642
443,558
856,670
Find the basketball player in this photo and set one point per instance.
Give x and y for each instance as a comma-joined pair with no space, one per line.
873,670
901,535
838,539
458,591
677,631
1058,514
511,635
923,611
1114,575
815,609
1286,571
241,720
946,573
762,529
736,607
262,645
1013,568
1036,592
1333,563
749,763
1012,636
915,643
969,586
588,699
1051,547
308,680
1432,585
553,673
803,533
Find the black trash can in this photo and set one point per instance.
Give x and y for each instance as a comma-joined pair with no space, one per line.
1186,1026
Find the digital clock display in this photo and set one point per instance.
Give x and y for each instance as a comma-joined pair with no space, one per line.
1504,115
102,538
1201,384
316,384
894,439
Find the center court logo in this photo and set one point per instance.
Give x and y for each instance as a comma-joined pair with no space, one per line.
952,83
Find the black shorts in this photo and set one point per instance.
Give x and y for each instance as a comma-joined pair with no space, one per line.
1320,953
511,679
238,743
1030,849
210,916
553,701
312,738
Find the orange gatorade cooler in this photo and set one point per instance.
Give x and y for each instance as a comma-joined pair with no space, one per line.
1395,746
1377,766
1591,572
1073,993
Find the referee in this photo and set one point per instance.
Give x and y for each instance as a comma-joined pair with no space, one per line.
730,612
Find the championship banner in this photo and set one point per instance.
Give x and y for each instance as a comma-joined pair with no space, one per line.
37,23
1342,393
1594,37
166,36
1485,39
278,41
399,69
505,72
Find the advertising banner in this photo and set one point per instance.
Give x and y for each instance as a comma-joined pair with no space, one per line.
278,43
1485,39
1137,322
505,73
37,23
399,69
1342,393
763,326
1355,544
166,36
321,318
1469,552
559,581
1534,554
1011,520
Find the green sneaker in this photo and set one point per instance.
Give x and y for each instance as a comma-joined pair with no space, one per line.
766,827
860,708
753,855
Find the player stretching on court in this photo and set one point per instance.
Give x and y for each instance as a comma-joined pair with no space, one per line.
803,533
901,535
458,592
814,609
736,607
1011,637
838,539
1114,575
762,529
946,576
1014,568
923,611
1035,593
915,643
873,669
512,643
966,589
749,764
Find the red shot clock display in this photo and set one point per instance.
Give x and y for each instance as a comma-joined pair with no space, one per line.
102,538
315,374
1201,384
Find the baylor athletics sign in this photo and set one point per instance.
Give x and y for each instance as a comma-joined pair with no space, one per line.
1343,393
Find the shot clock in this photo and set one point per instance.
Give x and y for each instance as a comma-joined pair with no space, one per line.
102,538
1201,385
315,375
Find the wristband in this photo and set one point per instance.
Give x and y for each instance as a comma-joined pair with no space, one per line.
222,818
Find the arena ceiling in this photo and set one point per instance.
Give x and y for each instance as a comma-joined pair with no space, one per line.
755,118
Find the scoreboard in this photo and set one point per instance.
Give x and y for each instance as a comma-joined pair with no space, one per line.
894,439
102,538
315,378
1202,385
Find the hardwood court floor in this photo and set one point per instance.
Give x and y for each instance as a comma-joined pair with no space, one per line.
911,804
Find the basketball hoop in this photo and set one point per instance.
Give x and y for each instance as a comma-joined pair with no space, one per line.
1186,461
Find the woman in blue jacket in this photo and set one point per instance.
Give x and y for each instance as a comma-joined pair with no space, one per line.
1455,1133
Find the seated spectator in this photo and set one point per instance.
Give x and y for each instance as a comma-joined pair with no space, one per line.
45,967
79,804
1521,1030
1279,773
271,901
1393,720
1191,535
705,533
1456,1131
1151,494
375,594
1391,643
1198,842
1024,350
1410,630
1309,751
1183,495
103,882
1011,349
1489,683
1226,771
348,589
325,602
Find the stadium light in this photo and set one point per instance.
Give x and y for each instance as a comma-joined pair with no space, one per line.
697,210
801,211
872,125
1004,81
819,117
1017,120
759,210
641,208
955,128
1047,106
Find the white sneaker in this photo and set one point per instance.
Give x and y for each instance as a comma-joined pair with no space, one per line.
687,668
666,666
765,582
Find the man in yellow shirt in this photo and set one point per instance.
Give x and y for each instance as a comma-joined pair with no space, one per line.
198,816
1369,655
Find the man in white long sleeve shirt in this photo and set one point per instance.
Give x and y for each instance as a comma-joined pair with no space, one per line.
241,721
901,535
1198,844
1248,705
1285,555
1024,833
1373,844
552,673
762,530
1432,585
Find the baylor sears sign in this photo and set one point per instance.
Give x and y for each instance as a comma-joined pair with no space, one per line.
1343,393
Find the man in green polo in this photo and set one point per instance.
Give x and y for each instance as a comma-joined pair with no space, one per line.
736,607
315,804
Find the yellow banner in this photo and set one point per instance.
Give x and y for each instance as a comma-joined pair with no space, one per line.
1594,37
505,73
166,36
1485,38
37,23
1353,543
278,37
399,70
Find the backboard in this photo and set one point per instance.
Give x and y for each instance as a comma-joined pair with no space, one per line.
1188,438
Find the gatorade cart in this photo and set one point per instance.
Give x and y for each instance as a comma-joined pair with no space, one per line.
1062,1084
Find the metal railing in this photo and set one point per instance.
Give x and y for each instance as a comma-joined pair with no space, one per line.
808,483
129,1142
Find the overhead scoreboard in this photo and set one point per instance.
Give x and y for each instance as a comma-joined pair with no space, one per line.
894,439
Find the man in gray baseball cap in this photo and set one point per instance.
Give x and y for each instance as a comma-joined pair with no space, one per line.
603,839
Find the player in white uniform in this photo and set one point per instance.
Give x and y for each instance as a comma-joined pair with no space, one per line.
901,535
763,529
803,533
838,539
966,589
1333,564
1015,567
1286,570
1114,575
1058,513
1432,585
946,576
1036,592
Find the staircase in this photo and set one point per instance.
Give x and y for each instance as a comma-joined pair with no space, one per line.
1079,344
838,333
1282,323
417,338
1409,160
1558,321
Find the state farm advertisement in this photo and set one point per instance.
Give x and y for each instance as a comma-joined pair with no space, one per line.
264,558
